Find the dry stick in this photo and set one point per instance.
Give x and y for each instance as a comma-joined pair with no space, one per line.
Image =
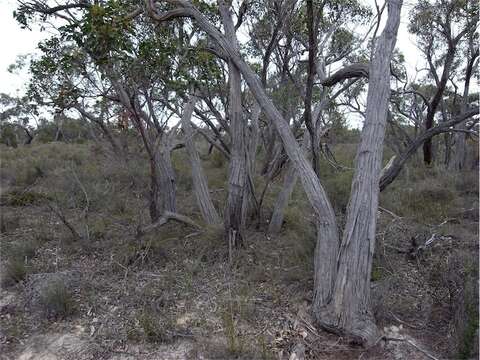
166,216
392,214
70,227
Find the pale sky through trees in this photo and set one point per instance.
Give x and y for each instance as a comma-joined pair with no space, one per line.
16,41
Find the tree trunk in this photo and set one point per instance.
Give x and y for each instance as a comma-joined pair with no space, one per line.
233,219
200,185
392,172
348,311
289,181
460,147
437,98
327,231
167,181
249,200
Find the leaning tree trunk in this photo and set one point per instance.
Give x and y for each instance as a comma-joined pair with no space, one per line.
348,311
327,231
200,185
167,179
289,182
233,220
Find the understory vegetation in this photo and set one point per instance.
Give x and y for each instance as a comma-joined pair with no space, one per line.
248,179
177,284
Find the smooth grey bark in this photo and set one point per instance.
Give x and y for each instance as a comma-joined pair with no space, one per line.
200,184
249,200
348,310
234,217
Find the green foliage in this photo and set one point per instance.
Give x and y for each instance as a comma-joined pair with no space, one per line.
338,188
8,135
377,274
470,332
154,327
23,198
218,159
235,342
56,300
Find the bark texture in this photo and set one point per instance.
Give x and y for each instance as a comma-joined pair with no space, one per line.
348,311
200,184
281,203
234,219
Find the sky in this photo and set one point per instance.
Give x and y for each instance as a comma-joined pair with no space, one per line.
16,41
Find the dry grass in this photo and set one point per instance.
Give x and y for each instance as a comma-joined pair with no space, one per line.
176,284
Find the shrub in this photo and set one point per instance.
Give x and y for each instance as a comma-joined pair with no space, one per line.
218,159
23,198
338,187
8,223
24,250
56,300
430,199
13,271
155,328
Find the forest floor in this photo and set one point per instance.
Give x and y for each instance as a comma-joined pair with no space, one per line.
174,293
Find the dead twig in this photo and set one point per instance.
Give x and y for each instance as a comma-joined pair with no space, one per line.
64,220
392,214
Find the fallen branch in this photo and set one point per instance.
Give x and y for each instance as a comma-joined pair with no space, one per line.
64,220
166,217
389,213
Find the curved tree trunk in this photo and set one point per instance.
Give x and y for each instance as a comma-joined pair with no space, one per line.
233,219
200,185
289,182
348,311
327,231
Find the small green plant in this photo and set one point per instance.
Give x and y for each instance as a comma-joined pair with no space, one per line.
56,300
153,328
13,271
265,352
377,273
469,332
23,198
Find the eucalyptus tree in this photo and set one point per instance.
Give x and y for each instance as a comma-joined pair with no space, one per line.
17,114
342,263
440,27
336,305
